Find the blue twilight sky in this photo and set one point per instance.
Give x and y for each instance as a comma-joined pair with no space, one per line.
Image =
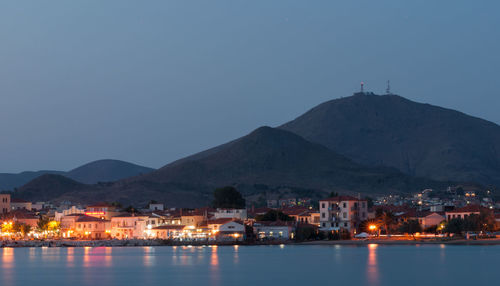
153,81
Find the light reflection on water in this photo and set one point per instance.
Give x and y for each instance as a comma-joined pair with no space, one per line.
247,265
371,268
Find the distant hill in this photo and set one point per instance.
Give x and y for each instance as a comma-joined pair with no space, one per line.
48,187
266,157
106,171
91,173
11,181
418,139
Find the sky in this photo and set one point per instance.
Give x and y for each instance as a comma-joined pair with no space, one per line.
150,82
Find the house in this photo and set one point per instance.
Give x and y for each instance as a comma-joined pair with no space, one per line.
215,224
155,207
342,213
274,230
303,215
5,203
231,231
465,212
19,204
102,210
68,224
429,219
167,231
192,219
127,226
240,214
90,227
58,215
24,217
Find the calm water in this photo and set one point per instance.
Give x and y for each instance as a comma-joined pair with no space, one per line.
252,265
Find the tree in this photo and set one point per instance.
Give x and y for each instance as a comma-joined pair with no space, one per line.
411,227
333,194
21,228
43,224
228,197
273,215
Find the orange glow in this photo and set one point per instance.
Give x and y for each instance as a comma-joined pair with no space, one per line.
372,227
95,213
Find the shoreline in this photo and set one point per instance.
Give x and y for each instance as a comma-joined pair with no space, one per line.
146,243
490,241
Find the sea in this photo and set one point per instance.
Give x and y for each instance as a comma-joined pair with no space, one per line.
304,265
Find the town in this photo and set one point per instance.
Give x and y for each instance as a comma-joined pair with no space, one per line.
454,214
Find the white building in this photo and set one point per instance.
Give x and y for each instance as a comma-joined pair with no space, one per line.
66,212
240,214
274,230
342,213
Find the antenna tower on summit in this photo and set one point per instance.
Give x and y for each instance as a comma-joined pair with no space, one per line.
388,90
362,85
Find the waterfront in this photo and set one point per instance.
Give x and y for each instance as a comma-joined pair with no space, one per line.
251,265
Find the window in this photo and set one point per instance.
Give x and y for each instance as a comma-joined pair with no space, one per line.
363,204
345,224
323,215
344,215
324,224
344,205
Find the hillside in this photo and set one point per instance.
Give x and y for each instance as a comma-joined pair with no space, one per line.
267,157
91,173
48,187
10,181
106,171
418,139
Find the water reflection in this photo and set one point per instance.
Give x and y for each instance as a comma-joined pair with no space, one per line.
214,267
236,258
70,257
372,267
149,257
7,267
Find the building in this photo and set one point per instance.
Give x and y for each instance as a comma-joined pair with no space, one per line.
192,220
303,215
24,216
102,210
58,215
167,231
464,212
240,214
127,226
5,203
342,213
274,230
18,204
156,207
90,227
231,231
430,219
68,225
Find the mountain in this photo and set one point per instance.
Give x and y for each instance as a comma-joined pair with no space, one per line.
106,171
11,181
91,173
418,139
47,187
267,157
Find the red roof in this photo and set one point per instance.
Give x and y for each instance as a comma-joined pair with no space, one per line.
178,227
295,211
341,199
87,218
468,209
14,200
219,221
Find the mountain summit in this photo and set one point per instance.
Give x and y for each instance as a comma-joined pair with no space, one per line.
418,139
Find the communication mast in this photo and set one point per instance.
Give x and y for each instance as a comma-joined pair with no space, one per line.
388,90
362,89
